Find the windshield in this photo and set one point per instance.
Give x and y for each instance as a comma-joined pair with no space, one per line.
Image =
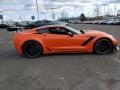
74,30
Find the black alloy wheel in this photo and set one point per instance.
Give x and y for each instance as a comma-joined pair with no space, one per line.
32,49
103,46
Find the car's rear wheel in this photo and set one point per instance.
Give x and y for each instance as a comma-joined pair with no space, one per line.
32,49
103,46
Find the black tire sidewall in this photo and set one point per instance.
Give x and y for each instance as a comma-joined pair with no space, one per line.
105,52
28,43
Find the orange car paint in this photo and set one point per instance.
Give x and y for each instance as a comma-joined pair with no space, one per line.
54,43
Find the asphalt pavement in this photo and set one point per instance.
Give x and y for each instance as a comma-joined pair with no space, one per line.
59,71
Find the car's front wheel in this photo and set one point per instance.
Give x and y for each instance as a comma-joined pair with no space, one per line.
32,49
103,46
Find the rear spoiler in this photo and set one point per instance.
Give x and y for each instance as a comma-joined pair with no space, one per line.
11,29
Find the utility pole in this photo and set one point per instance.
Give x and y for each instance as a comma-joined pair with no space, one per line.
97,10
53,13
104,15
1,16
104,9
115,8
20,17
37,9
104,5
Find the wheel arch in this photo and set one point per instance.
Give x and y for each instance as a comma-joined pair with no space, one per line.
31,41
100,39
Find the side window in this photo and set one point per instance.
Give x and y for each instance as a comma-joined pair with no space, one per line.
43,30
48,22
53,30
58,30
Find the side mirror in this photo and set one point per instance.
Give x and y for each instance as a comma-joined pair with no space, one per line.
70,34
82,31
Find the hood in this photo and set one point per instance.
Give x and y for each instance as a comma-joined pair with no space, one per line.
95,32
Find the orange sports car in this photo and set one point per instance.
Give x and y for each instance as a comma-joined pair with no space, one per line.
62,39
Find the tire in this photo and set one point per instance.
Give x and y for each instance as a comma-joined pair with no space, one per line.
32,49
103,46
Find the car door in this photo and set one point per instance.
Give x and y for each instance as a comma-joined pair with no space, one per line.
59,40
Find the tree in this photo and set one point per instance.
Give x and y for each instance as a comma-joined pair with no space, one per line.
82,17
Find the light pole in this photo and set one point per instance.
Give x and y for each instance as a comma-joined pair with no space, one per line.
115,8
104,5
53,13
104,8
37,9
1,16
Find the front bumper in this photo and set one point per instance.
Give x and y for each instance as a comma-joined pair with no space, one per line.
115,48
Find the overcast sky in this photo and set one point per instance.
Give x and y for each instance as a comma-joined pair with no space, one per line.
24,9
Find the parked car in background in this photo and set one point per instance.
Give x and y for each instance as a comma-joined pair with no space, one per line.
116,22
43,23
20,24
61,23
109,22
102,22
106,22
4,25
87,22
95,22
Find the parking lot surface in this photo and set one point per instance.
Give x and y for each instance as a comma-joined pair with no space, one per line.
59,71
